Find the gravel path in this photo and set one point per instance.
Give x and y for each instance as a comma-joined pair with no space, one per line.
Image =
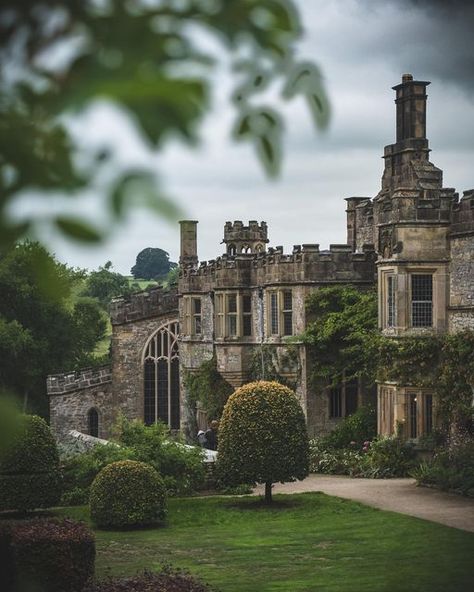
396,495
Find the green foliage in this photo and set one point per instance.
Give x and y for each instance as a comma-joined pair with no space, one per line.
180,466
152,263
144,58
452,467
105,284
80,470
268,362
50,556
208,386
342,334
444,363
353,430
127,494
381,458
262,436
41,330
29,468
388,457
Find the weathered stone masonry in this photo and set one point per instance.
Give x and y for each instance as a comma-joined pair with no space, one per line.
414,240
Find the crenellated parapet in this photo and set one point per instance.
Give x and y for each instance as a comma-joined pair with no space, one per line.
462,214
245,239
305,264
153,302
58,384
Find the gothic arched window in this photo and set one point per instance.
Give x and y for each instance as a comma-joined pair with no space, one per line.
161,377
232,250
93,422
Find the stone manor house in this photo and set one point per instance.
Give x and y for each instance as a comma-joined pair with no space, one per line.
414,240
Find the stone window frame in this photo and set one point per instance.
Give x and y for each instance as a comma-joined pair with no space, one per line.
341,391
226,319
169,354
411,276
276,312
192,320
419,412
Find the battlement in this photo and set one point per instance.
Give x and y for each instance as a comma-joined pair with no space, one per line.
58,384
305,264
239,238
153,302
463,214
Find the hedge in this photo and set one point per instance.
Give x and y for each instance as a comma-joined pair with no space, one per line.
46,555
29,468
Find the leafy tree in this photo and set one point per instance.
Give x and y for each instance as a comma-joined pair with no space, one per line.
41,330
105,284
342,334
143,57
262,437
152,263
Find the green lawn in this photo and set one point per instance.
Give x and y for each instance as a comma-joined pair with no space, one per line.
307,542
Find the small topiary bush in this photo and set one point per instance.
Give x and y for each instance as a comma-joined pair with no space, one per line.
168,580
388,457
48,556
29,468
127,494
262,437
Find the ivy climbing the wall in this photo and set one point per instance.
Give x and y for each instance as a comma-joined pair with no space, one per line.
208,387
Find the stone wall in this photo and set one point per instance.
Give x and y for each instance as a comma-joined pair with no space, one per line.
72,395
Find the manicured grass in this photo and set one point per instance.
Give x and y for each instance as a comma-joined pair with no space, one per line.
307,542
144,284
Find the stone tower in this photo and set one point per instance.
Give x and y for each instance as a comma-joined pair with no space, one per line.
245,239
412,220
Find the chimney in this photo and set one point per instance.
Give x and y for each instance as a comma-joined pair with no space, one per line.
411,108
188,254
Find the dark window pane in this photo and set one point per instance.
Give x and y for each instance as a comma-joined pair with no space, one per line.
149,403
335,402
246,303
197,325
391,301
428,414
162,390
93,421
351,397
197,305
422,300
174,393
274,313
287,300
232,322
412,402
288,323
232,303
247,325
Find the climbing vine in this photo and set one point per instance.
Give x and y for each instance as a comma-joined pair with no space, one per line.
208,387
281,364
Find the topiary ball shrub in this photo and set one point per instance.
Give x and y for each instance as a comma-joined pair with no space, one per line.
262,437
127,494
29,468
52,555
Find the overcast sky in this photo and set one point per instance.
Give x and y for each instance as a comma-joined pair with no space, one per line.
363,47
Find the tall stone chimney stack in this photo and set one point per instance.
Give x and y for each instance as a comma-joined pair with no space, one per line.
188,254
411,108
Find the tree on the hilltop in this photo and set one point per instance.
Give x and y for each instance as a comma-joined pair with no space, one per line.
262,437
152,263
105,284
143,57
42,329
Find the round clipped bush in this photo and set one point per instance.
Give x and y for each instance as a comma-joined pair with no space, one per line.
127,494
29,467
262,437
